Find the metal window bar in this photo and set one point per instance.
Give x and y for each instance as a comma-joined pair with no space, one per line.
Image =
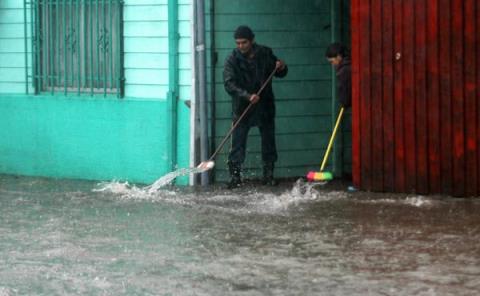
77,46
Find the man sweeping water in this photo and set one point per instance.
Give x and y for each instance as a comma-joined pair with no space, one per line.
246,69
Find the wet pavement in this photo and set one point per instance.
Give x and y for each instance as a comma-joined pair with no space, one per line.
60,237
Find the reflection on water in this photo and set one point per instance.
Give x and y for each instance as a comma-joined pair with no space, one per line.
82,238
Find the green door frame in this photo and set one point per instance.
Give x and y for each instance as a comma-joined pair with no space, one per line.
173,84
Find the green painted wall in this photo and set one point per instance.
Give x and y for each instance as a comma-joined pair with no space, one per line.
96,138
298,32
12,47
83,138
146,48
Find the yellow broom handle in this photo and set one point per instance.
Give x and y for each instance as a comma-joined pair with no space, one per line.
331,140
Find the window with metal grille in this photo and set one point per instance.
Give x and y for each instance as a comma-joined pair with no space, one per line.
77,46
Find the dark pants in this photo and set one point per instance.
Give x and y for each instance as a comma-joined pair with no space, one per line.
239,142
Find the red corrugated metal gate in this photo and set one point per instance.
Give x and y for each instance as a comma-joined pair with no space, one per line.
416,98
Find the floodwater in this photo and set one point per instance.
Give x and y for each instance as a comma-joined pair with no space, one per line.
84,238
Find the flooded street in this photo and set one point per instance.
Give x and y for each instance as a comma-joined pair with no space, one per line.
84,238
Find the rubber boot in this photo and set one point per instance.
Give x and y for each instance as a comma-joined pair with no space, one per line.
235,180
268,174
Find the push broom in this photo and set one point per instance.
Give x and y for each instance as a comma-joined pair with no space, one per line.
210,163
321,175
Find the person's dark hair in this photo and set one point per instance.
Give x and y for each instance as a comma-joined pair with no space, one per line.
336,49
243,32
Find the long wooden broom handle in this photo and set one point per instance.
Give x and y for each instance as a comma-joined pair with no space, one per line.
331,140
241,116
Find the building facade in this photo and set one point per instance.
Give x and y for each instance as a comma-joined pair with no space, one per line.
95,89
98,89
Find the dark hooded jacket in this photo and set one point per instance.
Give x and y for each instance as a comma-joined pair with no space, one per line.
243,78
344,82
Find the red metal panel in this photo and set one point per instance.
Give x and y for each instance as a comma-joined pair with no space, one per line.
458,100
433,106
470,100
409,94
376,95
388,98
421,110
477,42
417,105
398,106
445,97
356,135
365,95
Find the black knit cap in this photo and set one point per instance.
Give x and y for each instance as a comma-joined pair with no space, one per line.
244,32
336,49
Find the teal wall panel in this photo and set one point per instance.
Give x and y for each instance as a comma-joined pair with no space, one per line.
12,14
147,76
183,140
12,87
145,12
11,4
12,47
11,59
146,29
146,60
150,44
290,7
12,74
86,138
146,48
12,30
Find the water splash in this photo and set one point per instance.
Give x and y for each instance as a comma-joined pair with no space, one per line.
7,292
414,201
268,201
123,189
126,190
306,190
302,192
168,178
419,201
260,200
